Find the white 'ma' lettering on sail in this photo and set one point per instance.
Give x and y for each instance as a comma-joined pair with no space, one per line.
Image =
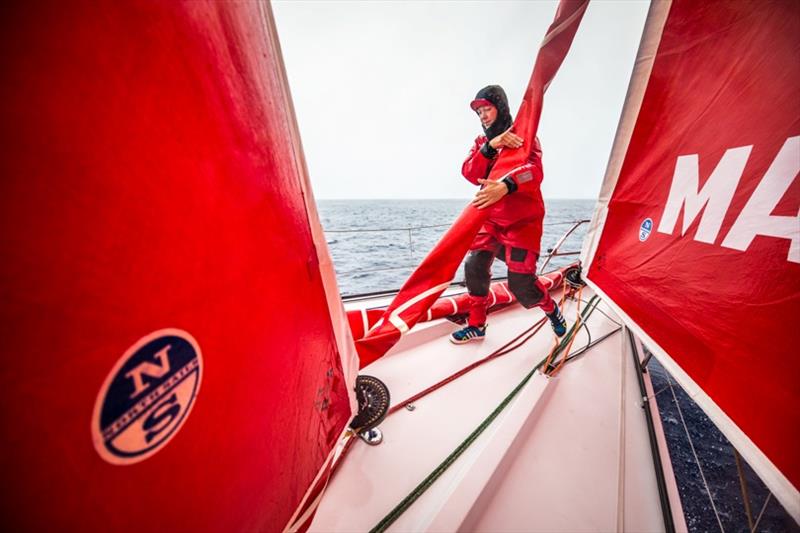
715,196
756,218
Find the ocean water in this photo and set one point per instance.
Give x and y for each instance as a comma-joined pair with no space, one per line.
376,244
716,457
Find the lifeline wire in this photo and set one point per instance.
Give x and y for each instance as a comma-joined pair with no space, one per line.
764,508
696,459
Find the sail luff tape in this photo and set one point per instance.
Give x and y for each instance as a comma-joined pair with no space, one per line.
365,321
558,29
453,303
377,324
503,286
398,322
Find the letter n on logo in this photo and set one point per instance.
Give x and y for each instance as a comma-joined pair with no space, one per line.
149,369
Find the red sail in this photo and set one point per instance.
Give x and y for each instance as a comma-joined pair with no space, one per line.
175,355
697,239
437,270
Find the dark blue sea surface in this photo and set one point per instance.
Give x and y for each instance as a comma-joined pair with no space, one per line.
376,244
718,463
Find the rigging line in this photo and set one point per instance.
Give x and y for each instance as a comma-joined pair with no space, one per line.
622,427
506,348
307,506
581,351
764,508
588,333
350,439
426,483
437,472
412,228
519,344
373,270
665,387
503,350
743,486
605,315
405,267
658,465
554,349
571,335
578,322
694,453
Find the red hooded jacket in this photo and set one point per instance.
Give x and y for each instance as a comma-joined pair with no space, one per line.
516,220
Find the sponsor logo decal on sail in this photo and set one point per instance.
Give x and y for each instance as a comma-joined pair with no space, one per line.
711,202
147,396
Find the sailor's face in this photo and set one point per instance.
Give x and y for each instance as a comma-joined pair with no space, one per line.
487,114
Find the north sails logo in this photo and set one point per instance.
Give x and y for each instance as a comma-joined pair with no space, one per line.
645,229
147,396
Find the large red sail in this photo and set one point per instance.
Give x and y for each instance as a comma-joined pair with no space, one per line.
697,238
175,353
436,271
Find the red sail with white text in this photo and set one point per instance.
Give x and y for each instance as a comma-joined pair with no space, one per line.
696,240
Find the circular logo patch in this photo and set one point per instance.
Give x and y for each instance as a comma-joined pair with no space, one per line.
147,396
645,229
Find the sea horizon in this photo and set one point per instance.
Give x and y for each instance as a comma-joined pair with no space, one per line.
376,243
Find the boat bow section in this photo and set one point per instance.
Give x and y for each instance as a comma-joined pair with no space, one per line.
567,452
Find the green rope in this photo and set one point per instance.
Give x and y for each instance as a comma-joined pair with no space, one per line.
406,502
594,301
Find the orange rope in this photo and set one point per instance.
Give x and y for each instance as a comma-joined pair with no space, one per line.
555,346
577,325
503,350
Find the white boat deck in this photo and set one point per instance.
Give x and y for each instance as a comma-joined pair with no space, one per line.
569,453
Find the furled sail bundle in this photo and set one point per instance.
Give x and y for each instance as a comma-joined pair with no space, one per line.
176,355
696,240
436,271
361,320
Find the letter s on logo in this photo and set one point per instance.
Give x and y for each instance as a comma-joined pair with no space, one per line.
159,415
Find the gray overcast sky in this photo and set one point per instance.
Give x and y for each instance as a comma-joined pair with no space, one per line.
381,90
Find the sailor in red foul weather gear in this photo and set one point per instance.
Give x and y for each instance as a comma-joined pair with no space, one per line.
513,230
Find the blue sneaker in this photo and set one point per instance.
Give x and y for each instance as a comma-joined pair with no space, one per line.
557,322
469,333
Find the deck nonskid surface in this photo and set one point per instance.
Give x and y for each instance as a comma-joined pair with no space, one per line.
372,480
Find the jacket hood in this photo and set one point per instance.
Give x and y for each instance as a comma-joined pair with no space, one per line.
495,95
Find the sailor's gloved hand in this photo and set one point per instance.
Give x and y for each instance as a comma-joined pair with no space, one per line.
491,193
507,139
